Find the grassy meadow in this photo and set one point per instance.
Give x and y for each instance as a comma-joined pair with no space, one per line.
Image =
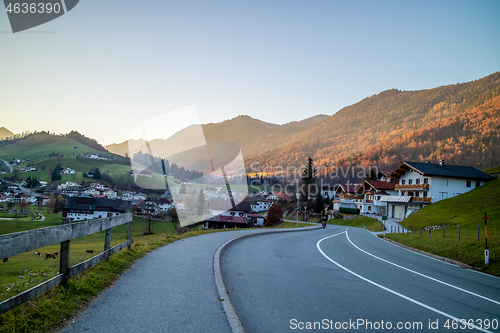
368,223
25,263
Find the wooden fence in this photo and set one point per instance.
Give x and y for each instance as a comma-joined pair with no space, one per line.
20,242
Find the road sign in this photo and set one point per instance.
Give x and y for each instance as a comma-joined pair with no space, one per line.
486,250
297,208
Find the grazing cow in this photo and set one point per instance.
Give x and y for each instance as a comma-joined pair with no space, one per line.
50,255
37,253
5,259
89,251
56,253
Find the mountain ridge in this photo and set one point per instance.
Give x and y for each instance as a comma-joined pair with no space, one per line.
5,133
391,115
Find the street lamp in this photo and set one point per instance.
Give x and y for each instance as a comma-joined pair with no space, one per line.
297,209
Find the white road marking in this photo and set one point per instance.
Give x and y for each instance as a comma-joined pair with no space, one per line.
420,274
387,289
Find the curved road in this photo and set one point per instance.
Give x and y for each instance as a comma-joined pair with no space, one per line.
170,290
348,278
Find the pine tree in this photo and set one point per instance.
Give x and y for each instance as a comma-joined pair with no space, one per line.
97,174
309,175
56,174
318,206
201,202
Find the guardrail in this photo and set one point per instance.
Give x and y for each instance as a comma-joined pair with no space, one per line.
20,242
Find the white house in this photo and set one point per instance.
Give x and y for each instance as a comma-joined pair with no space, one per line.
67,171
98,156
112,194
88,208
262,205
346,196
225,207
272,196
165,204
373,191
420,184
328,191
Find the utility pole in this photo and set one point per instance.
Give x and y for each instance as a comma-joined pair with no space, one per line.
297,209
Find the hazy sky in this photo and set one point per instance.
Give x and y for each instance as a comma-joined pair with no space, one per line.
108,66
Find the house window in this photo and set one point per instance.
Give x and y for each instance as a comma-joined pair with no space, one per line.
443,182
478,184
425,194
231,213
410,181
468,183
443,195
403,182
417,181
369,207
241,214
426,180
416,194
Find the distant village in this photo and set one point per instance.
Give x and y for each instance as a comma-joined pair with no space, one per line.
395,194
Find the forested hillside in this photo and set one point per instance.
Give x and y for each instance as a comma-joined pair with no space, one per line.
458,123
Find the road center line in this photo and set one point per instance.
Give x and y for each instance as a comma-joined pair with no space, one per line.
387,289
420,274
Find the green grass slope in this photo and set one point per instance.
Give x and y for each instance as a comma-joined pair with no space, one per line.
38,148
42,145
495,169
466,210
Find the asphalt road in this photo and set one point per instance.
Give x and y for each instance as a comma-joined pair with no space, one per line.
170,290
353,281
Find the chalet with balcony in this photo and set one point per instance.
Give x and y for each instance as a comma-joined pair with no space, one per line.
420,184
346,196
373,191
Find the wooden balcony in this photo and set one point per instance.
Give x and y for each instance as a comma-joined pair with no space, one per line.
412,187
421,199
351,196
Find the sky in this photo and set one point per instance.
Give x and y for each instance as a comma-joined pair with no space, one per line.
106,67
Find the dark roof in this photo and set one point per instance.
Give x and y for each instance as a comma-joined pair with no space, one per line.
165,201
348,188
454,171
227,219
243,206
89,203
380,185
283,196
